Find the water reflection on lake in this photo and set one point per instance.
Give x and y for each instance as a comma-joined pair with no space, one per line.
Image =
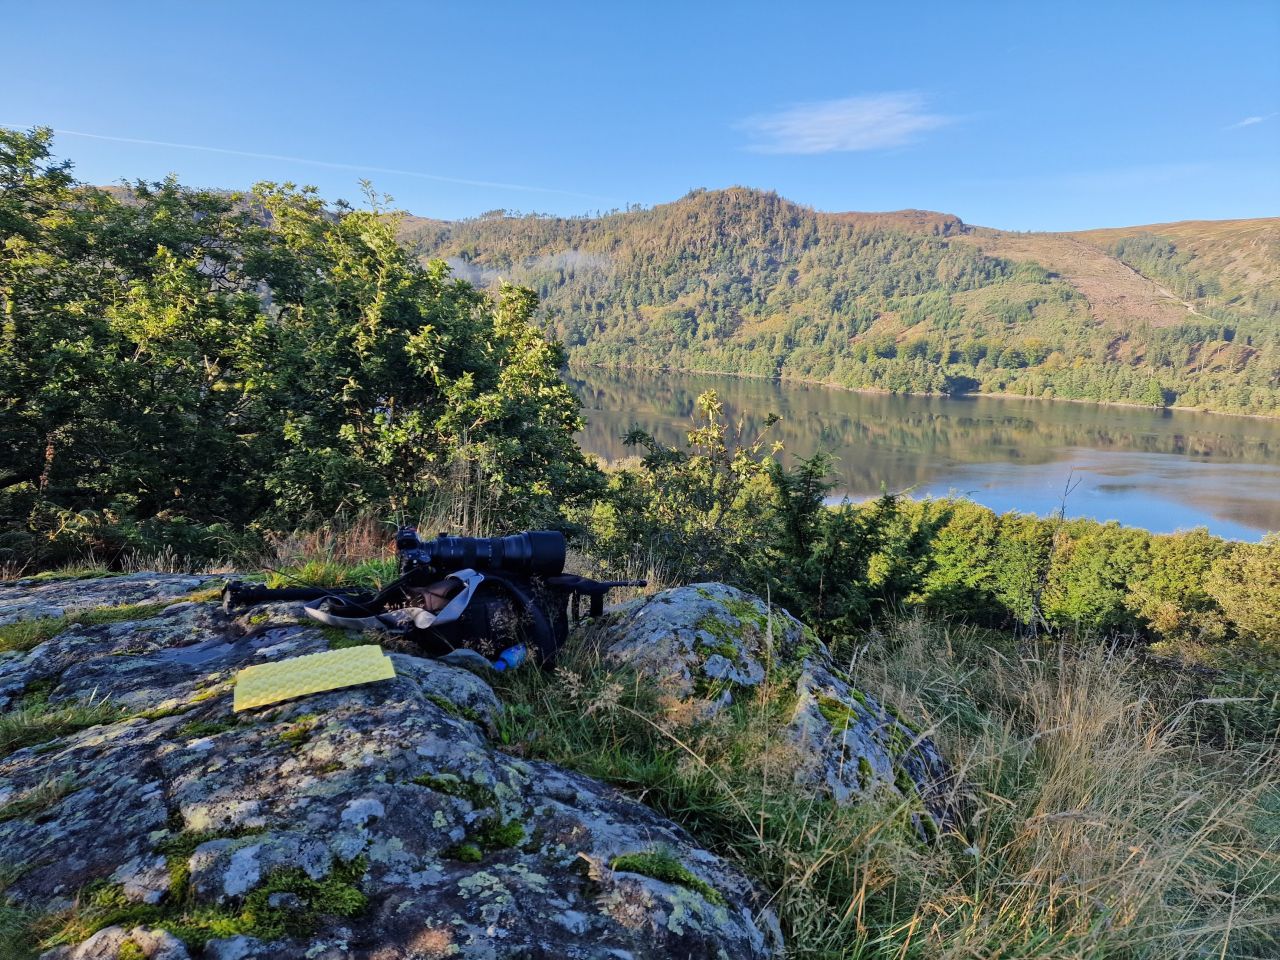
1162,470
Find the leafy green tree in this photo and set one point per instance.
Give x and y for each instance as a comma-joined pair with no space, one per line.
699,511
961,579
1021,567
1172,597
1091,567
118,391
1245,582
180,363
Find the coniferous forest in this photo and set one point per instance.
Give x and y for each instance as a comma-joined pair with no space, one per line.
742,281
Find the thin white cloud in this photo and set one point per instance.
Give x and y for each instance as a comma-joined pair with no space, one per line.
871,122
357,167
1251,121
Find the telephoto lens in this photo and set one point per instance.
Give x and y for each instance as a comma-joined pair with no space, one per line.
537,552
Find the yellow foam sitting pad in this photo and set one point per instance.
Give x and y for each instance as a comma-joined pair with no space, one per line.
298,676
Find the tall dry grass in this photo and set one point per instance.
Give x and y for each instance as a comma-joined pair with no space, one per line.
1102,824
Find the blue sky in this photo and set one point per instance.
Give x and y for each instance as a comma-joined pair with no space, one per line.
1015,115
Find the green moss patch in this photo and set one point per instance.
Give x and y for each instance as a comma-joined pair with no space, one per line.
207,595
727,641
207,728
493,833
340,639
865,773
122,614
835,711
454,709
208,693
337,895
299,732
161,713
465,852
72,573
497,834
453,785
661,865
179,846
747,612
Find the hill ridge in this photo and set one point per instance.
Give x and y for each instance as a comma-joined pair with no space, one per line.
740,280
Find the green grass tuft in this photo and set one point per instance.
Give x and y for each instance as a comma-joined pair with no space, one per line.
1108,826
24,635
41,721
16,939
326,572
38,799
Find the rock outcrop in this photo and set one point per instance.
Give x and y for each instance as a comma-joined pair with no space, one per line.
32,599
143,820
714,642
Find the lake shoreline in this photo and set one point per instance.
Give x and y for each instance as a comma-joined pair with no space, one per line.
876,391
1156,470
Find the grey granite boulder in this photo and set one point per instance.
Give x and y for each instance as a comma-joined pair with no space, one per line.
713,642
378,822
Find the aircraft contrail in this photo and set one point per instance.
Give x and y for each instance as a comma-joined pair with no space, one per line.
359,168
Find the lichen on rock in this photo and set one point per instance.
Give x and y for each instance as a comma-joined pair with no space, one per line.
715,642
324,828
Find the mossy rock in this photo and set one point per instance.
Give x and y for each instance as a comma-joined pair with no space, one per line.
713,643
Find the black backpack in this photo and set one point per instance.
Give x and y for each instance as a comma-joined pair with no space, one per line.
502,598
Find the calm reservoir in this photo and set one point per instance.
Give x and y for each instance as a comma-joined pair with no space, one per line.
1161,470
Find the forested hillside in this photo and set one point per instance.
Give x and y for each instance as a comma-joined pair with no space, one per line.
741,281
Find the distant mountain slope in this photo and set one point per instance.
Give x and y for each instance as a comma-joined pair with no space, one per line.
742,281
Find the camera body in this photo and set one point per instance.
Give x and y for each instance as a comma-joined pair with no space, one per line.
539,553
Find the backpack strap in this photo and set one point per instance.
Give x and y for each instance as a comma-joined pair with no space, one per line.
396,621
470,580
